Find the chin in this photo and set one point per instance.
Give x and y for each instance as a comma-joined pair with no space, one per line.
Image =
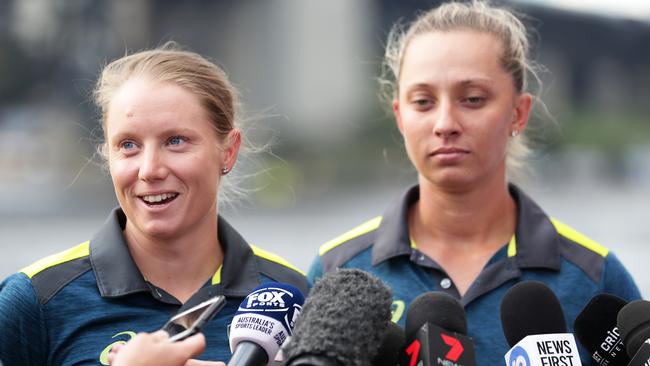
454,181
159,229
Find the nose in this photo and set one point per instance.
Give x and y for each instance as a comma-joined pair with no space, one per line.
152,165
445,120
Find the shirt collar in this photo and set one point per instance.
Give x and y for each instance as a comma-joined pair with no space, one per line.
118,275
393,238
536,243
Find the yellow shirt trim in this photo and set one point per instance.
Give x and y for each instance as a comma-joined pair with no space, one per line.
357,231
81,250
216,278
273,258
579,238
512,246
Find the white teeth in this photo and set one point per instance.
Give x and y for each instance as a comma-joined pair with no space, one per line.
158,197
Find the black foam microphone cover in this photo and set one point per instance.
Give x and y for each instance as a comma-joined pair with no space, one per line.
595,328
343,321
436,308
634,324
530,307
391,346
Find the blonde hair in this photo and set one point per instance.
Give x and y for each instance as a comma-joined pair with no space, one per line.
475,16
168,63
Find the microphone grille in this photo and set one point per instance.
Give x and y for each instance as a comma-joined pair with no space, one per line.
597,319
634,324
436,308
391,346
530,307
344,318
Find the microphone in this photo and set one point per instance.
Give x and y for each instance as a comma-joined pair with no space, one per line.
436,332
263,322
634,324
533,324
391,346
343,321
596,329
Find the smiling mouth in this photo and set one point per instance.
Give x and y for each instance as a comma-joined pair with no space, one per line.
159,199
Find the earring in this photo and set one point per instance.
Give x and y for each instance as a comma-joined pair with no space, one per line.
224,171
514,133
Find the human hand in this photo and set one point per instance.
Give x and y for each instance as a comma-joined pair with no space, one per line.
204,363
154,349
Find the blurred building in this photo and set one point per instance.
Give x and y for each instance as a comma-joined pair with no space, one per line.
307,75
306,71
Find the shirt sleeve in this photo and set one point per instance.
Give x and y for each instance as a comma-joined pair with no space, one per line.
617,280
23,337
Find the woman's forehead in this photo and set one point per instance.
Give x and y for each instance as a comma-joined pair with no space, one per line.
455,56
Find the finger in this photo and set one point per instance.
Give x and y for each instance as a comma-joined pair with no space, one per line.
194,345
111,357
204,363
160,335
117,347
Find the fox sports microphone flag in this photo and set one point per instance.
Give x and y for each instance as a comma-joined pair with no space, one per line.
263,323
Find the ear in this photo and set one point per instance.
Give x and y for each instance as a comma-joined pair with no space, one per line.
523,105
398,116
232,142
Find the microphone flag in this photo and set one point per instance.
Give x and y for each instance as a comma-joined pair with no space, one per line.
558,349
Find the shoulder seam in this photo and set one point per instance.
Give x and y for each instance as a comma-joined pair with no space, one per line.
579,238
364,228
272,257
79,251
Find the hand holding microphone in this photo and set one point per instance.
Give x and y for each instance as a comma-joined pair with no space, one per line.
149,349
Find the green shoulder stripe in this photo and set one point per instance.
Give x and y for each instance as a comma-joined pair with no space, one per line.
366,227
273,258
572,234
81,250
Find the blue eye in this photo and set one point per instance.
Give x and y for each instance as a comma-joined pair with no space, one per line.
176,140
127,145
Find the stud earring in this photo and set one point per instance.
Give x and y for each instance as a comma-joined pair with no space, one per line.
224,171
514,133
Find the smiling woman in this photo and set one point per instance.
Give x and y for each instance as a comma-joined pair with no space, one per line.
168,118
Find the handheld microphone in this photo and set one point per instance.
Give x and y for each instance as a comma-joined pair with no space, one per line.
534,326
634,324
343,321
262,323
391,346
436,332
596,329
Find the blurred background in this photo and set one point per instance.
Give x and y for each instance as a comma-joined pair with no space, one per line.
307,73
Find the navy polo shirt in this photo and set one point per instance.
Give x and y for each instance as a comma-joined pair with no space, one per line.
70,308
543,249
